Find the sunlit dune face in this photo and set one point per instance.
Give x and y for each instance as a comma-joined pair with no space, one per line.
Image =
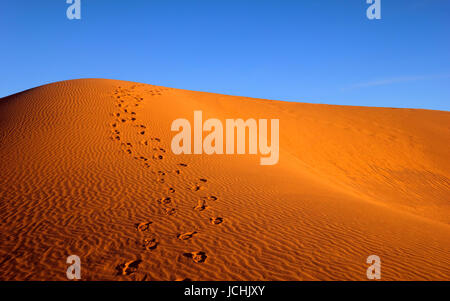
88,170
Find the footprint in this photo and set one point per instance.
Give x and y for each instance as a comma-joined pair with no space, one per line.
211,198
165,200
142,133
150,244
201,205
216,220
196,187
171,190
186,236
182,164
128,268
197,257
157,157
145,226
170,211
203,180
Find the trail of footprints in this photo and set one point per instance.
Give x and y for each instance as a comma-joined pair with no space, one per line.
127,101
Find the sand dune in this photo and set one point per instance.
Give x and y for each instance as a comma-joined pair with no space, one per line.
87,169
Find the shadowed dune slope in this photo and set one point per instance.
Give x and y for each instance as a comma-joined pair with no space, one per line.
87,169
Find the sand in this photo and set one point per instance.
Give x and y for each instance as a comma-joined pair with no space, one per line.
87,169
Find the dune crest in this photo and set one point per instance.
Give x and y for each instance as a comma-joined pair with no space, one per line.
88,170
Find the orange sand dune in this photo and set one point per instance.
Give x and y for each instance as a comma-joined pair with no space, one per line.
87,169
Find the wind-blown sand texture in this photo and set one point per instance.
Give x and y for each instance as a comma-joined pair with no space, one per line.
87,169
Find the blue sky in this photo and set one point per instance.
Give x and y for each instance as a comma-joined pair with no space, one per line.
321,51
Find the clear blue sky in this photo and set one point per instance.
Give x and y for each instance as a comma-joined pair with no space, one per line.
323,51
